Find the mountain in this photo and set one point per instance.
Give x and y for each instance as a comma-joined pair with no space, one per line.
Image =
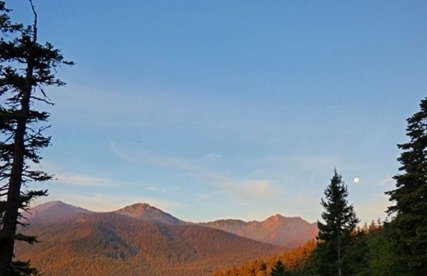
135,240
288,232
55,212
146,212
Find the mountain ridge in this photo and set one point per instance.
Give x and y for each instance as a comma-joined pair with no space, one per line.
277,229
289,232
81,242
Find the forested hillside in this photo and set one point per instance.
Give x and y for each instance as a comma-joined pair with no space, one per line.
134,240
293,262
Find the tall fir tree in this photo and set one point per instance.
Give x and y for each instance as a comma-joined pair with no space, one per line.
335,234
26,68
408,230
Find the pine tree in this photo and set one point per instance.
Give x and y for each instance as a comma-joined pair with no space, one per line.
278,269
409,227
26,67
340,220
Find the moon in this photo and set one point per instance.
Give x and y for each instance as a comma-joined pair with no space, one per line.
356,180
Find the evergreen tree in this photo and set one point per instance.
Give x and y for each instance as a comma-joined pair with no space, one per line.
335,234
26,68
278,269
382,255
409,227
262,269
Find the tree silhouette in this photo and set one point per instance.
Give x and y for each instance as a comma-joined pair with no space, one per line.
26,68
409,227
340,220
278,269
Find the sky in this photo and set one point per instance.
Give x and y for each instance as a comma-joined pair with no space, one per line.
215,109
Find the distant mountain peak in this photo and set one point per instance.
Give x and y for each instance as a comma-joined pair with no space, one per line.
276,217
50,204
277,229
145,211
279,218
138,208
55,211
58,205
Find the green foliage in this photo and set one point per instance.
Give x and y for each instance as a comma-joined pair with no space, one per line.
382,259
356,259
408,230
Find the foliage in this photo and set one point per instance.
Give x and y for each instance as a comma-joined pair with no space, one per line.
382,254
26,68
408,230
335,234
21,268
278,269
293,261
356,259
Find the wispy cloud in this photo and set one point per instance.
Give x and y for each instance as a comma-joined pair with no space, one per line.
213,156
68,177
245,189
122,155
157,188
83,180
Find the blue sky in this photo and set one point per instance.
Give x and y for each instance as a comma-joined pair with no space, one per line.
230,109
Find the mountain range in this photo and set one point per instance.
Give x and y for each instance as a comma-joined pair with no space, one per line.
143,240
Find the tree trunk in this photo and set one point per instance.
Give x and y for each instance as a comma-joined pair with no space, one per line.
339,252
8,232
